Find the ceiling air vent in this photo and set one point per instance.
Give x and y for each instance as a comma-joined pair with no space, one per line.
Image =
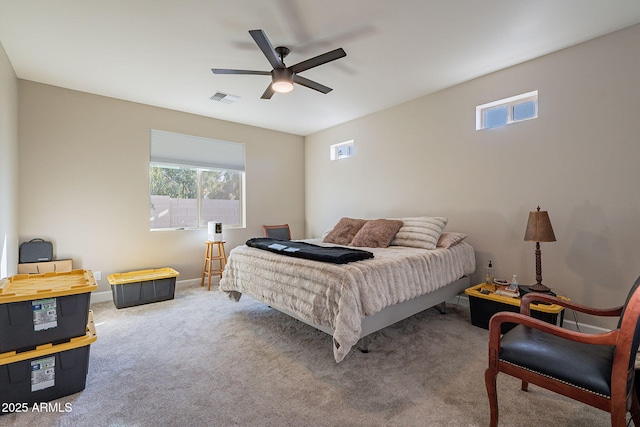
225,98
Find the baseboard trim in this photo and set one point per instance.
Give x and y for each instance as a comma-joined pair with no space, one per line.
104,296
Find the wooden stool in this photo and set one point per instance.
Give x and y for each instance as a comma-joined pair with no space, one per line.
209,257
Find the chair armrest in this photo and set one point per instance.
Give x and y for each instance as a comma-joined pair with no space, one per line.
606,338
529,298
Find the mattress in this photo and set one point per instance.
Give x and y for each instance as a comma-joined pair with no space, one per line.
339,296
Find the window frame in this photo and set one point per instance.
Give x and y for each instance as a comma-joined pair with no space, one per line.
195,155
199,198
510,103
335,149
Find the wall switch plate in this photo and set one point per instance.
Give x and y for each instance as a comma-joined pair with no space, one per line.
97,275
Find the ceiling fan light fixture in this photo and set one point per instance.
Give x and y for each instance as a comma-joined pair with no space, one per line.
282,86
282,80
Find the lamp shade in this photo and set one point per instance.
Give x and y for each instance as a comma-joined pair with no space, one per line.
539,227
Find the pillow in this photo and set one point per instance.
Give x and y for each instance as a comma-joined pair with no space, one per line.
328,230
448,239
377,233
420,232
344,231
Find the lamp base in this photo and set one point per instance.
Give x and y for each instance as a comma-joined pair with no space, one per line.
539,287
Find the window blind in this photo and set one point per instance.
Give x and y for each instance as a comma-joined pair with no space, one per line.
187,150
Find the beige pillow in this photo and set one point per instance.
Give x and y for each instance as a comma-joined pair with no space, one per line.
420,232
449,238
344,231
377,233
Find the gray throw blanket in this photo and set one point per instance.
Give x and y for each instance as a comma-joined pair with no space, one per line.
333,254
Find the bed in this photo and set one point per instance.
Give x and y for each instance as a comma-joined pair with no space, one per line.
350,301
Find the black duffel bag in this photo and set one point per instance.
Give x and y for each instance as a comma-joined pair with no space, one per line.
36,250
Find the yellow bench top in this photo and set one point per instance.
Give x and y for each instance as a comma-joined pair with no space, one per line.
475,291
27,287
141,276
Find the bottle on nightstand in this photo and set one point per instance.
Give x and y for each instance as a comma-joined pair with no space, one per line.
513,286
510,291
488,278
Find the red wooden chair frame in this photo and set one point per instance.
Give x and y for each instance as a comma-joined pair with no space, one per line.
623,397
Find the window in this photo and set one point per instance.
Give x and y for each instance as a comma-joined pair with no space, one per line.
194,180
506,111
342,150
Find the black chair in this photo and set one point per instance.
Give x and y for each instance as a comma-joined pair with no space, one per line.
281,232
596,369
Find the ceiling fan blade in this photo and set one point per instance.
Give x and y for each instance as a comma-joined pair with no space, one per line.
268,93
311,84
265,46
226,71
318,60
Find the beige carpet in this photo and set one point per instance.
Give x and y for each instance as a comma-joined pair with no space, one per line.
203,360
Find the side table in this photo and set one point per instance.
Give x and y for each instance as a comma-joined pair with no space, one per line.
209,257
485,305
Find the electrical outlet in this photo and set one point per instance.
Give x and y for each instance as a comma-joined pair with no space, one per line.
97,275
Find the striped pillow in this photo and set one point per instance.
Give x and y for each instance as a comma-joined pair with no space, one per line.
420,232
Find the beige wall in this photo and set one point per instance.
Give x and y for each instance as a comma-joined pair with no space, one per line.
83,180
578,160
8,167
83,172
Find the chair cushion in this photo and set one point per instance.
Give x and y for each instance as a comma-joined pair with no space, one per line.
583,365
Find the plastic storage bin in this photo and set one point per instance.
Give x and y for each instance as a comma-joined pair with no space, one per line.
49,372
47,308
143,287
483,306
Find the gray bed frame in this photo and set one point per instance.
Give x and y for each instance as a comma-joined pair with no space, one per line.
397,312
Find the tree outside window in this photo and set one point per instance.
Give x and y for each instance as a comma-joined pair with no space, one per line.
190,197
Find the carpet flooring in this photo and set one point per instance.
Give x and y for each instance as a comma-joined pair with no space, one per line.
203,360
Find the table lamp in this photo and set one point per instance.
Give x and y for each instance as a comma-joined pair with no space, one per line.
539,229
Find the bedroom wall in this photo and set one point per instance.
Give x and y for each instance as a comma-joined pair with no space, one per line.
83,170
577,160
8,167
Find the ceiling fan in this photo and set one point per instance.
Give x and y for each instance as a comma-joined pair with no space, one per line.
284,77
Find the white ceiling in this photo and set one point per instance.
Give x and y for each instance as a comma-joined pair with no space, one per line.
160,52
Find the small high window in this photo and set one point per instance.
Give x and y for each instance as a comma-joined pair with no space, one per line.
506,111
342,150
